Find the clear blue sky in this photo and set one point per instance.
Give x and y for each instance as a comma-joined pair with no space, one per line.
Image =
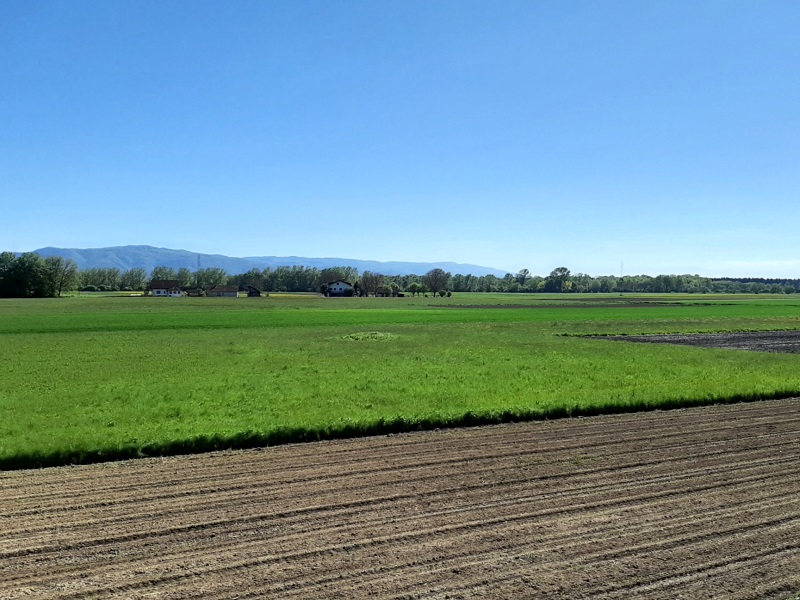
512,134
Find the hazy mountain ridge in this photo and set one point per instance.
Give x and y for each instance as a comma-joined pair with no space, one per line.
149,257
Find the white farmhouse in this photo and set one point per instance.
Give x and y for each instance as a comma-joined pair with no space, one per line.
165,288
340,288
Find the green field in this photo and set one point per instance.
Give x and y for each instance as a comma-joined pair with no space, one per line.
98,378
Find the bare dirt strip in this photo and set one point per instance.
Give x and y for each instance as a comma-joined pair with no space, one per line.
761,341
694,503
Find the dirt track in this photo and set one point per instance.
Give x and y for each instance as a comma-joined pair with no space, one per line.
693,503
761,341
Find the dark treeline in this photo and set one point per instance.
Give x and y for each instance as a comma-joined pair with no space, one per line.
561,280
30,275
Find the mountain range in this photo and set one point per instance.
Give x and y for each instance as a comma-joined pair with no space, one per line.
149,257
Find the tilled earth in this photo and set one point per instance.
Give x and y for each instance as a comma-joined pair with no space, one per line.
763,341
694,503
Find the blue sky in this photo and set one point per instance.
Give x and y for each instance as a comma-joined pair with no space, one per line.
664,135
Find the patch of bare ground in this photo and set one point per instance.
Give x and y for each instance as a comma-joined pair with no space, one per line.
762,341
694,503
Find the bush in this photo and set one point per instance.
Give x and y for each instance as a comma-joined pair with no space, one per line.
442,293
89,288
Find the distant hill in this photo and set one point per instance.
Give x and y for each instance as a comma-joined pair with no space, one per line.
149,257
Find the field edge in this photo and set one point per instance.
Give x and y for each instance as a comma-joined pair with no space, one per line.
349,430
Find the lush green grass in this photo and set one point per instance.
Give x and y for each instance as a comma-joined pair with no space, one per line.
94,378
594,314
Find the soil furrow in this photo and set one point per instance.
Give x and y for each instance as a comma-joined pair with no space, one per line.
323,511
694,502
229,494
499,521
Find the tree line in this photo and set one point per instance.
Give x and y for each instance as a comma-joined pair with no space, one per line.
30,276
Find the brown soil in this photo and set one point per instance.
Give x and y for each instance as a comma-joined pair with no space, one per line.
694,503
762,341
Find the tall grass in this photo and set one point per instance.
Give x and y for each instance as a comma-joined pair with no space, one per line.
87,380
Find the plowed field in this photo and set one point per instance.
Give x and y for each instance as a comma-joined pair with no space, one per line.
761,341
690,503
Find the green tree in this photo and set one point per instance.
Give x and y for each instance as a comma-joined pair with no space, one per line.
185,277
370,282
102,278
254,277
135,279
208,278
436,279
29,277
61,274
7,262
162,273
556,281
488,283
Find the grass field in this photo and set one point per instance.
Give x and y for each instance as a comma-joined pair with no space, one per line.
88,379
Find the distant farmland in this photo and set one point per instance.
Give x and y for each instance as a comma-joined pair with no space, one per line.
92,379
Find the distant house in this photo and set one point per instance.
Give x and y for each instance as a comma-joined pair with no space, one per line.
253,292
340,288
224,291
165,288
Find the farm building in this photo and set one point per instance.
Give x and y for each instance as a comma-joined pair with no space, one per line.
165,288
340,288
253,292
223,291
